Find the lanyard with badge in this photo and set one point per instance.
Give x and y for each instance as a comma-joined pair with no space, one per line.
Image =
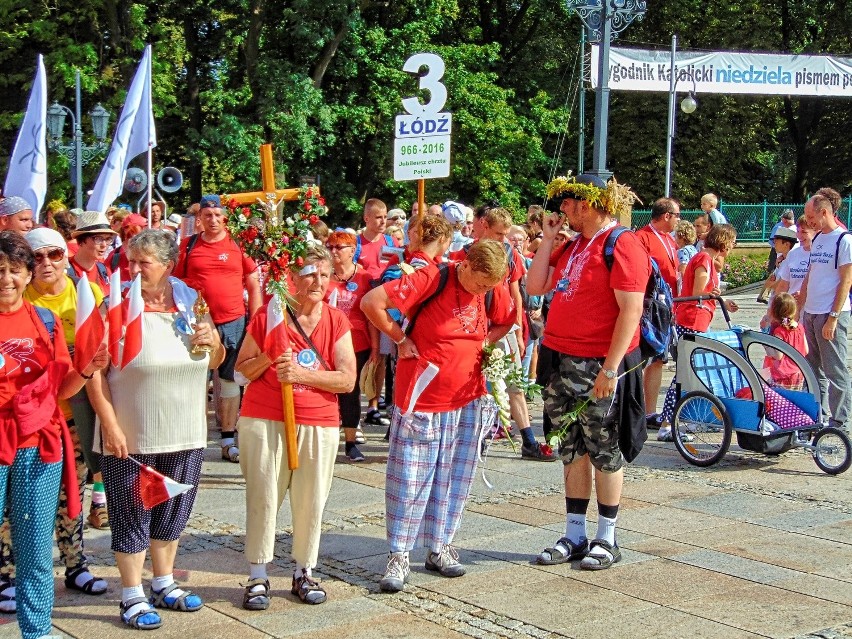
670,253
562,284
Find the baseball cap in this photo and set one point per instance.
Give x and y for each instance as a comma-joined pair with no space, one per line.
210,202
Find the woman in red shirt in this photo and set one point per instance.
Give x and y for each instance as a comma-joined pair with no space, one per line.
35,372
700,278
434,439
349,283
319,369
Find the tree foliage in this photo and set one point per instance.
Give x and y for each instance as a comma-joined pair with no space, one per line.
322,80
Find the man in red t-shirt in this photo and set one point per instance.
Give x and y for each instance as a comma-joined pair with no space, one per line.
658,241
214,264
593,329
434,438
94,237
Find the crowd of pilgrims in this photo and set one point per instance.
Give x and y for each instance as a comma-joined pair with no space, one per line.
467,277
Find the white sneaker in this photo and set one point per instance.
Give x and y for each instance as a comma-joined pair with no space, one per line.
359,436
396,574
665,434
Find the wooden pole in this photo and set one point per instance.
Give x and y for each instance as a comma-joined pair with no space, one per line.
290,438
421,197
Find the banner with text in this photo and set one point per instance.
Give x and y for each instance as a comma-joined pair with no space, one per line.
727,72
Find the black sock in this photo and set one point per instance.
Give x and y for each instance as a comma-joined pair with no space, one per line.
229,434
347,446
528,437
574,506
610,512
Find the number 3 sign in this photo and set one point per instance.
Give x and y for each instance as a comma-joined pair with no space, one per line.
422,138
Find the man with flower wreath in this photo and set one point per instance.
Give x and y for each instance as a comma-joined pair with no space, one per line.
593,330
213,263
434,448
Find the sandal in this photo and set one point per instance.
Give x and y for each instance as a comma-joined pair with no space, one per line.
98,517
308,590
256,599
136,619
231,453
181,602
7,597
606,556
92,586
556,555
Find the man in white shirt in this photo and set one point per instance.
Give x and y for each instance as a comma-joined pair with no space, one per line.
824,299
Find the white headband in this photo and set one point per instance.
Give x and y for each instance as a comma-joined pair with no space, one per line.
310,269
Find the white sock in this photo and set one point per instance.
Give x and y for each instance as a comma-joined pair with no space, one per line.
85,576
301,570
158,583
132,593
227,441
606,529
257,571
575,527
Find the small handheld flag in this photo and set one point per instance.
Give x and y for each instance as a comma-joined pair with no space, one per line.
133,323
155,488
89,327
114,317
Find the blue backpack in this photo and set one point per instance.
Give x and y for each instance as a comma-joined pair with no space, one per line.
656,326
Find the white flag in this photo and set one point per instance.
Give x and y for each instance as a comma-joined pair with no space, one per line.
27,176
134,134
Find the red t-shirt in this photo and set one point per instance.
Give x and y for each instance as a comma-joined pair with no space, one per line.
218,271
370,256
663,248
583,312
349,303
93,275
449,333
313,406
515,271
25,355
786,372
690,314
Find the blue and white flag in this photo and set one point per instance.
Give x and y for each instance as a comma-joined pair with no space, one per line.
134,134
27,175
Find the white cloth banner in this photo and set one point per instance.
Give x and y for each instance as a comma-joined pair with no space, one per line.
727,72
27,175
134,134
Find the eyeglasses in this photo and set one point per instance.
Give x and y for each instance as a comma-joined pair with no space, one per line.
337,247
101,239
53,255
401,218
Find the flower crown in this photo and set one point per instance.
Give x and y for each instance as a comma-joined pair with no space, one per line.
616,199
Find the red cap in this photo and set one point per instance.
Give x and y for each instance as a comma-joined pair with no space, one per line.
134,219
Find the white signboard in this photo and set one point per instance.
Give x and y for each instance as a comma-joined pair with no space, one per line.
421,148
727,72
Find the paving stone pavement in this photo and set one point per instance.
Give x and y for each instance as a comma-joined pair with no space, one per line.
754,546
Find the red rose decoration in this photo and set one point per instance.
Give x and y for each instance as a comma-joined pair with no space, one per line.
285,239
310,193
300,262
308,206
232,204
314,219
246,211
321,201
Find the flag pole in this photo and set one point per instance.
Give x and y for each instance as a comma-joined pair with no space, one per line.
150,146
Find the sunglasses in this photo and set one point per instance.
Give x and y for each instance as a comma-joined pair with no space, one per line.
54,255
337,247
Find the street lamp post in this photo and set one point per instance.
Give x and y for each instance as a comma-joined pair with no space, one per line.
604,19
78,153
687,105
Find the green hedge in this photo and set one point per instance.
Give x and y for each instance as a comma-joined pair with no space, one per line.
741,270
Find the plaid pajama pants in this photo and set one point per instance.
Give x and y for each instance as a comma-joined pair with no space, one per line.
431,464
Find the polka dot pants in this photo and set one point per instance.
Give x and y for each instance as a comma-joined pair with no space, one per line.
132,526
33,491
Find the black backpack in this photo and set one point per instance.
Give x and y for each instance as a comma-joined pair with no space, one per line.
656,326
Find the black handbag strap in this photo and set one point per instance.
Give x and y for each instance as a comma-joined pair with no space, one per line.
310,342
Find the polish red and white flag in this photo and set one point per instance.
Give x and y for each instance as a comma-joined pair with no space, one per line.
155,488
424,373
276,341
89,326
133,323
114,322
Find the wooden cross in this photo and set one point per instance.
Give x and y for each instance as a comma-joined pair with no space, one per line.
267,178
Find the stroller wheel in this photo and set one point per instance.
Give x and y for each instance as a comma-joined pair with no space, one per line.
701,428
832,450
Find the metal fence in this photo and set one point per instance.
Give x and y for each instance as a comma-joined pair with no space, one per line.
753,222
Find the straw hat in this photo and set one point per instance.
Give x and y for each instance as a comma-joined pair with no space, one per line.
90,222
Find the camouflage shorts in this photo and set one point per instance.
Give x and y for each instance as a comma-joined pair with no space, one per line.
595,432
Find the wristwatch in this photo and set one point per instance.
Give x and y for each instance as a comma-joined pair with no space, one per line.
834,314
609,374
